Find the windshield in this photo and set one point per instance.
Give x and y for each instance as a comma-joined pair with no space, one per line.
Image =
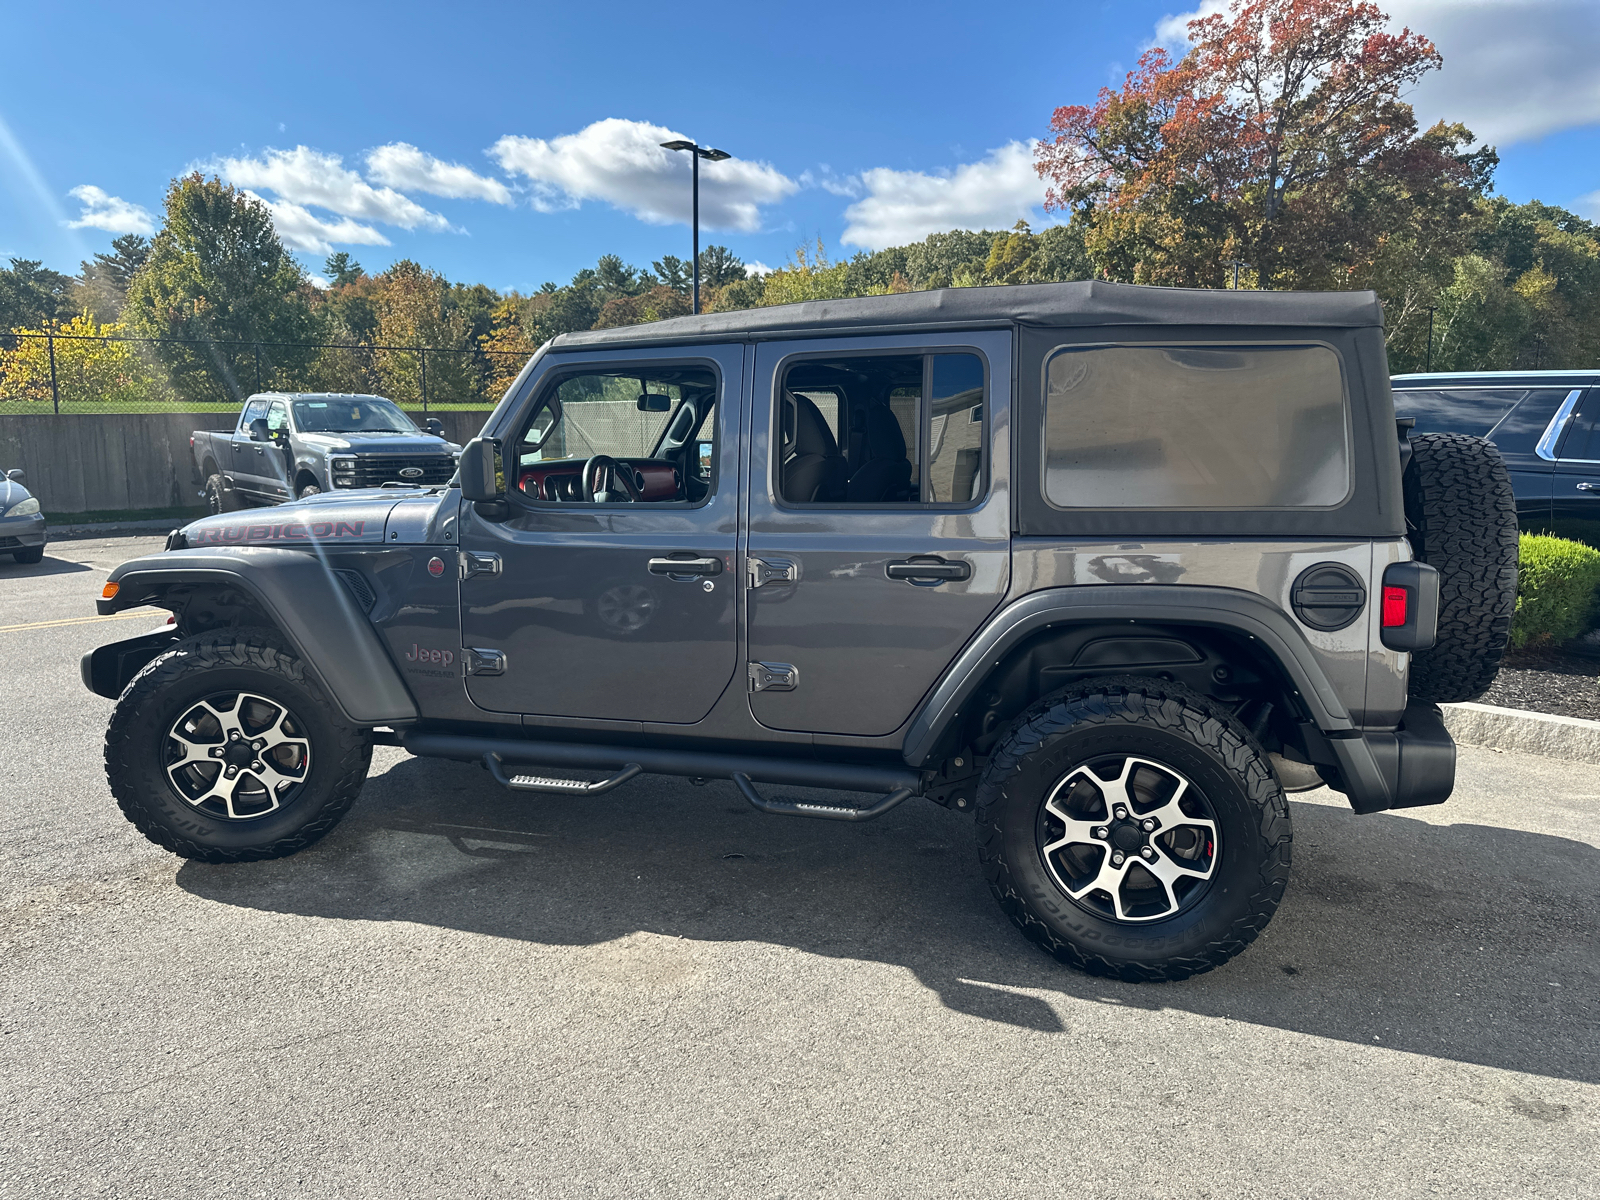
366,414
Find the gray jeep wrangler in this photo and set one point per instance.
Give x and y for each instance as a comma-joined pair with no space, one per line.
1110,568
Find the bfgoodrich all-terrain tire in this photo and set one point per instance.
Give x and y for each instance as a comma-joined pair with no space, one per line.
1461,517
1132,829
224,749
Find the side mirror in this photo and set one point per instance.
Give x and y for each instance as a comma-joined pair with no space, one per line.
654,402
258,430
16,475
483,471
434,426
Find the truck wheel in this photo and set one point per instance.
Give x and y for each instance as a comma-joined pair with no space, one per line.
308,489
224,749
221,498
1130,828
1461,517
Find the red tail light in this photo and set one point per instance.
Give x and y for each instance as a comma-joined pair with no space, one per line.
1394,607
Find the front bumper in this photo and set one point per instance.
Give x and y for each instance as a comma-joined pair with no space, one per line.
22,533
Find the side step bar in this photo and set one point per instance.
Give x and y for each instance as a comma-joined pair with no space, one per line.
568,787
888,782
826,812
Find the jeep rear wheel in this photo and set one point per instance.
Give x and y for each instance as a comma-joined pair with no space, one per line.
1461,516
1130,828
224,749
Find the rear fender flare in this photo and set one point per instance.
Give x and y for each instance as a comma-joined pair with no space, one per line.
1218,608
307,603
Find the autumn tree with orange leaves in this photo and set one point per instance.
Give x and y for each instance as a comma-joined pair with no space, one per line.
1280,139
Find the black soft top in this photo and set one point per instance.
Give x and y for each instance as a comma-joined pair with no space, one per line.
1088,303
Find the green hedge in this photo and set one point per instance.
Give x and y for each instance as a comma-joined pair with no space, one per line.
1558,584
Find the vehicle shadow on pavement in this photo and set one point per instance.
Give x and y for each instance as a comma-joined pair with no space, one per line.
46,566
1464,942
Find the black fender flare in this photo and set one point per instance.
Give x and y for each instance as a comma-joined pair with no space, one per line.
1214,607
307,602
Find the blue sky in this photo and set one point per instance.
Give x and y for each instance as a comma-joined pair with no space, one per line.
511,144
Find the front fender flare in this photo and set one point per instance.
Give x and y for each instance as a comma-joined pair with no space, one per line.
308,603
1220,608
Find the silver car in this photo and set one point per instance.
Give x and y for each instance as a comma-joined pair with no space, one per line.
22,532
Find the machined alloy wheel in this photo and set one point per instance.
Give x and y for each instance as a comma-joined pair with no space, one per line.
1129,838
1131,827
237,755
225,748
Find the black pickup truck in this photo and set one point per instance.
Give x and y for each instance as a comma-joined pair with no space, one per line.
287,445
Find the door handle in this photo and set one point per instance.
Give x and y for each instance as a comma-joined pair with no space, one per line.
928,570
685,566
1586,486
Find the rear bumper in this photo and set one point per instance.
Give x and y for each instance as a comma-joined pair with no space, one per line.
1406,767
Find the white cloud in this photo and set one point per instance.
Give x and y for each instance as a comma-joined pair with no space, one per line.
752,269
905,206
1514,70
110,213
1588,205
300,229
401,165
622,163
847,185
305,176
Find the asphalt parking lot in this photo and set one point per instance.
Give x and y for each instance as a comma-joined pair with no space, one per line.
661,992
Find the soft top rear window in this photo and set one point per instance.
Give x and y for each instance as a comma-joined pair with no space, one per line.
1196,427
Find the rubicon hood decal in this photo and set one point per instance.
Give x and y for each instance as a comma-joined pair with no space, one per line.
292,524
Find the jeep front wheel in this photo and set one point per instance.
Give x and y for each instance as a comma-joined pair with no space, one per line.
1130,828
224,749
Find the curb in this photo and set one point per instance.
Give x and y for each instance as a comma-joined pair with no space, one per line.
1524,732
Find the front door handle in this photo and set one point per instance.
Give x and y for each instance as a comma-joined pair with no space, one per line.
685,566
1586,486
928,569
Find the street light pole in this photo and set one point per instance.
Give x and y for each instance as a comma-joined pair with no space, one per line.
696,154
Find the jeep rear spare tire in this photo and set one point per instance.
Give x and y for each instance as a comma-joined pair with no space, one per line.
1131,828
1461,518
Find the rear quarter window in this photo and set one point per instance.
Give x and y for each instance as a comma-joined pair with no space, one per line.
1196,427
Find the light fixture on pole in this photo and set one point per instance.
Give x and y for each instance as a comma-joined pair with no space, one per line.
696,154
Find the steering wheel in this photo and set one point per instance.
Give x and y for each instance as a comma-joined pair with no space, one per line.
615,472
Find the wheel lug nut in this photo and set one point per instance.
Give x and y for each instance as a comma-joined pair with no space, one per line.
258,744
217,753
1121,813
232,771
1147,826
255,766
1116,859
1148,852
1100,831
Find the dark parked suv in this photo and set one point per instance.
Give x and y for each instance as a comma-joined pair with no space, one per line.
1546,424
1109,568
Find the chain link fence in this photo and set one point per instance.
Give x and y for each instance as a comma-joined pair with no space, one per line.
55,372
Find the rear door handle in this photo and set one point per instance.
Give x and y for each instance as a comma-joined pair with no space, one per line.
928,569
685,566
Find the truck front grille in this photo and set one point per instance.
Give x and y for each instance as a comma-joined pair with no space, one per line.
370,472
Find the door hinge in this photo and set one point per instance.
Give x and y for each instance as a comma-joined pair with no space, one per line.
473,563
765,570
484,662
774,677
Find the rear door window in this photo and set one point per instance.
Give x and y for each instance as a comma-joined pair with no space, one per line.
1196,427
1456,410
